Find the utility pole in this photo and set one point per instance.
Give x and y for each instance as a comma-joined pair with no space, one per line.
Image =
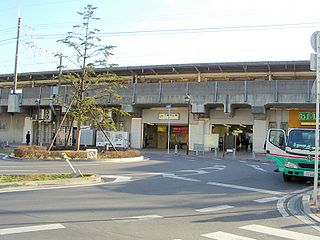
59,67
315,59
15,81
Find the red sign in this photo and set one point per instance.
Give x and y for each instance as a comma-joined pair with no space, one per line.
180,129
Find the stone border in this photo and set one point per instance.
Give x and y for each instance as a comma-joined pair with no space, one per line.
131,159
51,183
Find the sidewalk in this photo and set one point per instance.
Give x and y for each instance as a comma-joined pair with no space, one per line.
309,207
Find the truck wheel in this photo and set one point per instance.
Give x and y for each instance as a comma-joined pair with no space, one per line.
287,178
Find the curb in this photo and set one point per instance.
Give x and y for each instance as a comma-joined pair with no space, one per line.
307,209
51,183
114,160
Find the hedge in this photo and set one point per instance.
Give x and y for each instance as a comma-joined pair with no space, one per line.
42,152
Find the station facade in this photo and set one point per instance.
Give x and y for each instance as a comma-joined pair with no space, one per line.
192,101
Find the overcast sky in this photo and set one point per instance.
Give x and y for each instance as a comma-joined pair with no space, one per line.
154,32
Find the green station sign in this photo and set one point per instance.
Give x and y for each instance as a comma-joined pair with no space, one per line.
303,116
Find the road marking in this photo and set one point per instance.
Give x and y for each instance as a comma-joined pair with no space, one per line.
215,167
257,167
116,179
225,236
19,170
279,232
192,171
7,231
214,209
246,188
137,218
281,208
52,188
171,175
265,200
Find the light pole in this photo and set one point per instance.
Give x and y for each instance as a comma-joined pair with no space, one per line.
168,106
315,43
187,101
38,120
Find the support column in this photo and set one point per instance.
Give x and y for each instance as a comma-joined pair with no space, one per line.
136,133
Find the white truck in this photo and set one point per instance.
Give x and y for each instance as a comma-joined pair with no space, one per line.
294,153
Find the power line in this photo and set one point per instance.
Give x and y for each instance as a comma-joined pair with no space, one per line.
195,30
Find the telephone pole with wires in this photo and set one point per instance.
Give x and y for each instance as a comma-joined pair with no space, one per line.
15,81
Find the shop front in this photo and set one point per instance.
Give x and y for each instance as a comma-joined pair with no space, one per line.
156,136
302,118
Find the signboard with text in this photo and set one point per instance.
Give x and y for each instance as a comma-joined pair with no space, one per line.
165,116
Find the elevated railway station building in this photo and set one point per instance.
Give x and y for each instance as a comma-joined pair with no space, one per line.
237,98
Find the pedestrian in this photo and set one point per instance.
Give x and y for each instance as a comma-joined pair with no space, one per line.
28,138
246,141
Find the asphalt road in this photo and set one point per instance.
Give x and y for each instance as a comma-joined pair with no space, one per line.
167,197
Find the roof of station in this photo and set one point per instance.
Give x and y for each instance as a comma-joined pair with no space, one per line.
281,70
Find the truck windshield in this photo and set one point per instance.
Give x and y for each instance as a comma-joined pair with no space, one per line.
301,139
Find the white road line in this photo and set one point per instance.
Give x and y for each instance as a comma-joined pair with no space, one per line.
215,167
215,208
257,167
137,218
19,170
170,175
52,188
117,179
279,232
265,200
281,208
225,236
7,231
246,188
192,171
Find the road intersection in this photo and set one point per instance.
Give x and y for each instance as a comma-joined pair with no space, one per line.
167,197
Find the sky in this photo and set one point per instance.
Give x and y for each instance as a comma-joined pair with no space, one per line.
156,32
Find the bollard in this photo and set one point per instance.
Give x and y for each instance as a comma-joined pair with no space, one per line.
176,149
253,155
215,153
106,147
234,153
69,163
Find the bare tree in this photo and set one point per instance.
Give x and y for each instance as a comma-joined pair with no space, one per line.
90,89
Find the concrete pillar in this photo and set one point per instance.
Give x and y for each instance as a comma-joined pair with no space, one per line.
259,134
136,133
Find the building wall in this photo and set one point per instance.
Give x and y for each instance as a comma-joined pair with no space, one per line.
243,116
12,128
277,117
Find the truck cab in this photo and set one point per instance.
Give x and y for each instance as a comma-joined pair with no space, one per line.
293,153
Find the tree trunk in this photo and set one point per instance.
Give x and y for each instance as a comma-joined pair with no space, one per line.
78,137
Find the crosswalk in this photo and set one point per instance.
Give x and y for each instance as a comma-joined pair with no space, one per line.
255,228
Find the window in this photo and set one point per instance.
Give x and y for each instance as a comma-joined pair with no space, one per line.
272,125
277,138
301,139
284,126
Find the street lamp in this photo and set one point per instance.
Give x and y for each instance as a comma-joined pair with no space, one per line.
187,101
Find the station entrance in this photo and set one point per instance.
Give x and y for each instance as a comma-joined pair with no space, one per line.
243,135
156,136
